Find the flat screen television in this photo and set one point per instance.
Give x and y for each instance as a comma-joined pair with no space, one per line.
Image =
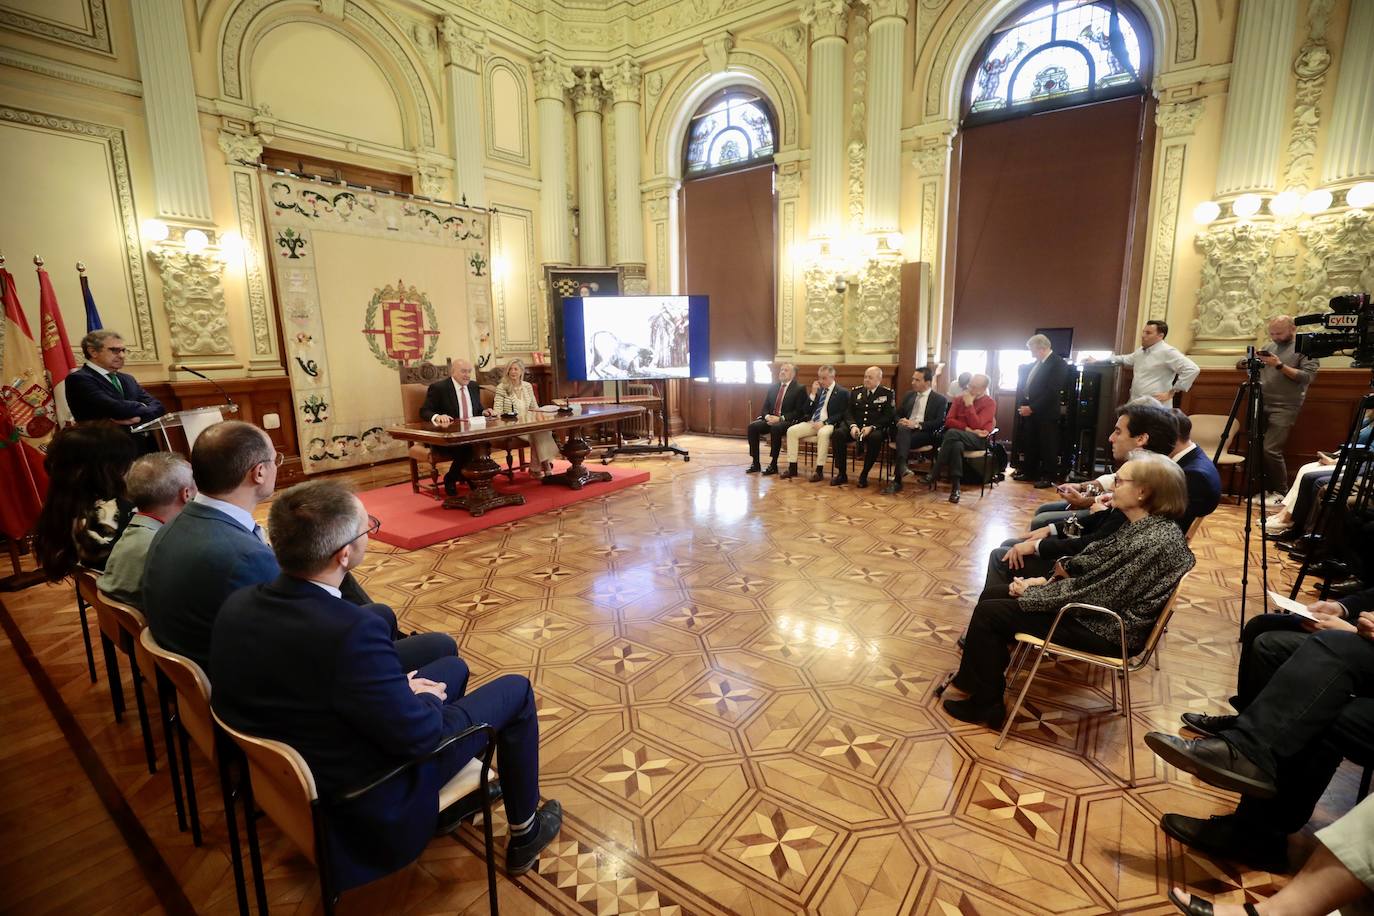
607,338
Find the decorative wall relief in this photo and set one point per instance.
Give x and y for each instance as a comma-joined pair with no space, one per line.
873,325
1341,258
194,301
1235,279
791,41
1176,123
1310,67
856,152
824,312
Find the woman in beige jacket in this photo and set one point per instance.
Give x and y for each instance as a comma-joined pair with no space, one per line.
514,395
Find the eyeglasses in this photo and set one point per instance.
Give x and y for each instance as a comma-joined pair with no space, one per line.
374,525
277,459
1117,480
117,351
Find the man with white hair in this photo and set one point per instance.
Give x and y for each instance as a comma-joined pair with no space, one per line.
827,403
454,399
866,423
970,421
159,485
1039,413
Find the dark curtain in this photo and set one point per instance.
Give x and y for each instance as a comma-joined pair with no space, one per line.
1045,223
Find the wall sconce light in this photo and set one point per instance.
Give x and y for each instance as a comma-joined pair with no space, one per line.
1285,204
195,240
155,230
1316,201
1206,212
1361,195
1246,205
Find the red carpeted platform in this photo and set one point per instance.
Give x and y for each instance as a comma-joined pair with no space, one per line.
413,520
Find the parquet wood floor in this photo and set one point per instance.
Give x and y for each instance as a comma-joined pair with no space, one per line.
735,679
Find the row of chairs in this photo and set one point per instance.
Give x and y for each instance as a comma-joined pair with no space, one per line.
981,460
253,772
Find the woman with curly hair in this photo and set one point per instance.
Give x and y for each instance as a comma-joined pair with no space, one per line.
86,509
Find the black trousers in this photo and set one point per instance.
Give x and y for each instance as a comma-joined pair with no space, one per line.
987,647
1266,643
999,575
870,445
460,455
776,432
1042,447
907,439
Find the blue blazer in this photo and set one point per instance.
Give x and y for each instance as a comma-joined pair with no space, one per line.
1204,486
91,396
293,663
196,561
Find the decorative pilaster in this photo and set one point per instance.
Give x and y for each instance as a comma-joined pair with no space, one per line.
1252,134
827,21
788,186
464,50
1176,125
591,193
623,83
883,183
238,149
658,197
931,161
1350,144
551,80
1310,67
169,101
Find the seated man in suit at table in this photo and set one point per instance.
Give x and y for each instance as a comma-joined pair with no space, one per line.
919,421
782,406
455,399
827,403
293,661
865,424
99,391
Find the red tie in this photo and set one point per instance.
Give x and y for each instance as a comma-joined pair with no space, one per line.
463,403
777,405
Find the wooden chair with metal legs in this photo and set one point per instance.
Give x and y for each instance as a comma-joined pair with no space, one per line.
184,698
279,780
77,575
120,629
984,457
1119,666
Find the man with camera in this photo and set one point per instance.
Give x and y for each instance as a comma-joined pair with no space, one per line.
1284,376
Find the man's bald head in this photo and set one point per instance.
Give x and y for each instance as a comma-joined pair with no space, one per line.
227,454
461,370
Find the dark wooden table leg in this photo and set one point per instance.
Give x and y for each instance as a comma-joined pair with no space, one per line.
481,495
577,475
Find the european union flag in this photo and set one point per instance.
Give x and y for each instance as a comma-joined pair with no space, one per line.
92,315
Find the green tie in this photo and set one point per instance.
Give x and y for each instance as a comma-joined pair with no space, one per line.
119,386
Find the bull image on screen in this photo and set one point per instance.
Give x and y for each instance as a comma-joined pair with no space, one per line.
635,337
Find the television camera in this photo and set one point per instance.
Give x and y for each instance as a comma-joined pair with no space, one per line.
1349,326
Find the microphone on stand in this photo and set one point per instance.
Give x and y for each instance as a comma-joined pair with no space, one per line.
233,408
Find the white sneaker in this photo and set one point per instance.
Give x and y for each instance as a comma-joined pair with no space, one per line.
1275,523
1275,500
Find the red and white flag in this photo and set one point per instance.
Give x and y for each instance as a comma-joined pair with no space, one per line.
52,336
27,419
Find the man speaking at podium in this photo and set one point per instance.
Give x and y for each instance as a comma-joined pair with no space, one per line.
99,391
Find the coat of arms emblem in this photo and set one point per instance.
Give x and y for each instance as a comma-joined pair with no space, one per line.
30,405
409,329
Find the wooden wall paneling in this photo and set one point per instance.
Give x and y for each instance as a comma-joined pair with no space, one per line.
255,398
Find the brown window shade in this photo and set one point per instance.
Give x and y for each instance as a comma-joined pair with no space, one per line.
326,168
1045,222
728,256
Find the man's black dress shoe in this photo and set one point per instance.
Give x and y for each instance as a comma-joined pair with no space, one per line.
992,715
1287,535
1020,476
1213,761
770,470
1044,484
839,481
894,487
1196,906
863,481
817,475
1226,837
467,806
1346,587
523,851
954,494
753,468
789,473
1211,726
929,480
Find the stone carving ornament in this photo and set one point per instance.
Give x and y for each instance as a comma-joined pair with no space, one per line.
1310,68
875,314
1341,257
718,48
1235,275
622,81
463,46
194,301
826,18
240,147
824,311
551,77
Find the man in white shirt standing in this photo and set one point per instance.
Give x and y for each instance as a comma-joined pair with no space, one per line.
1160,368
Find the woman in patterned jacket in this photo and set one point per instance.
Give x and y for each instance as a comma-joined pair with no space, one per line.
1133,572
514,395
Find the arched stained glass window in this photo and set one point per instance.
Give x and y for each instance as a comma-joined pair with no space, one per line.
1051,55
732,128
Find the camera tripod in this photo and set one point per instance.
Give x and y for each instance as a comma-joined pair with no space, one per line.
1250,395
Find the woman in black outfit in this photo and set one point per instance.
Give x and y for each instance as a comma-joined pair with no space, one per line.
85,510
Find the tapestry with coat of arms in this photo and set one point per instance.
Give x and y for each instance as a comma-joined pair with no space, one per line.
366,284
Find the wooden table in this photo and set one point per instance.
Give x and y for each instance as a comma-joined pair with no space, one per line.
480,469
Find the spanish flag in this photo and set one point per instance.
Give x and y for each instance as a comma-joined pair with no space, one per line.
27,419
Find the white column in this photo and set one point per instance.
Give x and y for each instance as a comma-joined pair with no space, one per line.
827,20
169,100
591,183
463,51
883,183
551,80
1350,148
1256,105
623,81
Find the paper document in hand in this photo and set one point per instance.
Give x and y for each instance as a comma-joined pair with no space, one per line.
1284,603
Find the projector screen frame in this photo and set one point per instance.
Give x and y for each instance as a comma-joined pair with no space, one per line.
633,358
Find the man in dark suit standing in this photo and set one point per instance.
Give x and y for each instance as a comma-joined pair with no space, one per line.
783,405
294,662
1039,410
919,421
865,423
455,399
99,391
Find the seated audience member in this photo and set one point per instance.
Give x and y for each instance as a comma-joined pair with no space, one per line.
160,485
959,386
1280,752
1339,872
514,395
1138,427
1204,481
865,424
1288,522
86,508
458,398
1132,572
783,406
919,422
1039,412
826,404
99,391
967,427
294,662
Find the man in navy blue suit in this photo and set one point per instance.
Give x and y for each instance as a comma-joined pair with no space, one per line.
99,391
214,547
294,662
456,398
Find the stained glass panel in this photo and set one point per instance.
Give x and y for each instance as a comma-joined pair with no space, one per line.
730,130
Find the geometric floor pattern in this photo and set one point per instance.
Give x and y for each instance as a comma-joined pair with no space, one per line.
735,682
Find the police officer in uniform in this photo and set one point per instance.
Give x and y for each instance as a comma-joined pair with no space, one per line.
865,423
